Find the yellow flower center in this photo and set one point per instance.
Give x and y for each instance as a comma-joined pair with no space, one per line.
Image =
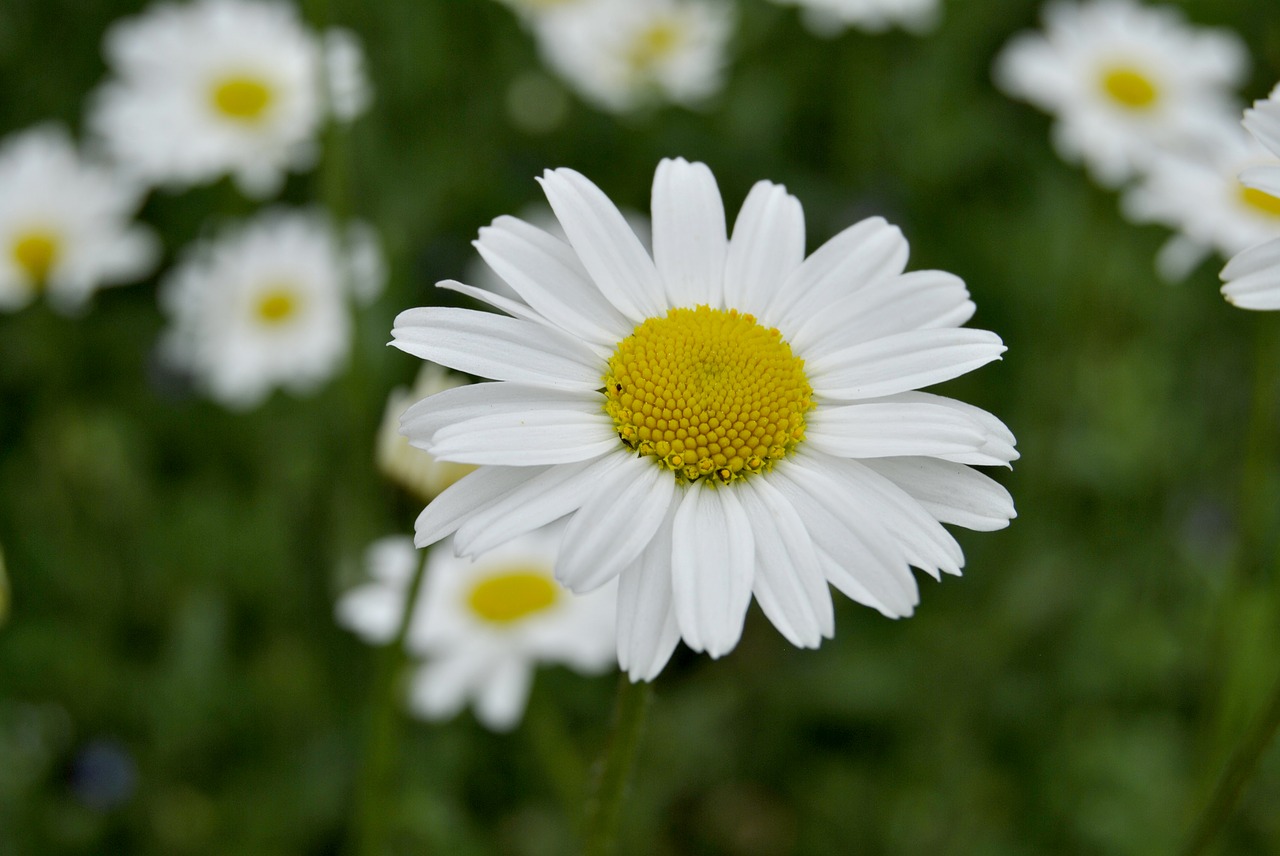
654,43
36,252
1260,201
1129,87
277,305
707,392
242,98
512,595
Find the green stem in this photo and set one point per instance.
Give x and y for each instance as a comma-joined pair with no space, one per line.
373,796
613,773
1241,767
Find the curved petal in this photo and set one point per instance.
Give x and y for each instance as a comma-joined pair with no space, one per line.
497,347
500,700
952,493
616,522
766,248
609,250
863,253
881,429
552,494
867,565
545,272
902,362
424,418
789,583
689,241
1252,277
514,308
919,300
712,565
468,495
647,628
526,439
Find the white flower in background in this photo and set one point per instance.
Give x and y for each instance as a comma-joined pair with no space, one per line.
1252,278
65,225
481,626
723,418
219,87
829,17
263,305
1201,196
1123,79
347,80
414,469
621,55
532,10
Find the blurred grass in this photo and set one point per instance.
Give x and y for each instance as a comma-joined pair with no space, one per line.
174,566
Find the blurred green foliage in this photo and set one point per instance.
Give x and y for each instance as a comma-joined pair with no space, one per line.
174,566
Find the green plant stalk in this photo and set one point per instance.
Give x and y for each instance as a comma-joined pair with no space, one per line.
373,794
613,772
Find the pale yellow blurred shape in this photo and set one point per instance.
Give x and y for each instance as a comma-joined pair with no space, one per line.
413,469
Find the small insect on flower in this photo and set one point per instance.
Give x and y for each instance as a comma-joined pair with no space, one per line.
1252,278
1123,80
65,226
722,419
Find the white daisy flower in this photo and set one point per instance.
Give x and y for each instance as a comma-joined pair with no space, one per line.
214,87
1252,278
1122,79
1202,197
625,54
65,223
829,17
722,419
265,304
482,625
414,469
346,77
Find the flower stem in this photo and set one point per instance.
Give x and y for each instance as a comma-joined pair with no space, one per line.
613,772
1241,767
373,795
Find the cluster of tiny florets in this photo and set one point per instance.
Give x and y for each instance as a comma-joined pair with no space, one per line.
708,393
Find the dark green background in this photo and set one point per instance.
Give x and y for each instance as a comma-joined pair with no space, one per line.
174,565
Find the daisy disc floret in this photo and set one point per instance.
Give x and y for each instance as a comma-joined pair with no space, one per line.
1123,80
720,419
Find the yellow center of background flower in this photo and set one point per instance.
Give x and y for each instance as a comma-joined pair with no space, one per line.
513,595
244,99
36,252
653,44
708,393
277,305
1130,88
1260,201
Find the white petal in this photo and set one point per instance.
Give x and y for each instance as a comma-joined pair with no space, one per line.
514,308
616,522
998,448
712,565
1253,277
863,253
902,362
689,240
501,699
766,248
607,247
468,495
493,346
953,493
914,301
1265,178
526,439
879,429
545,272
552,494
789,583
647,628
921,538
439,689
424,418
866,562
